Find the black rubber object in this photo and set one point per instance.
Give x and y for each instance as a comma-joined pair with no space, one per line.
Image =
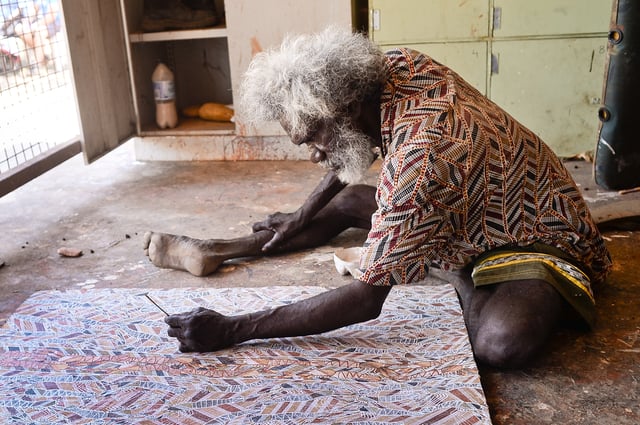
617,159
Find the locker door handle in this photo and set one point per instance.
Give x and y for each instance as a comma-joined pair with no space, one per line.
497,18
495,63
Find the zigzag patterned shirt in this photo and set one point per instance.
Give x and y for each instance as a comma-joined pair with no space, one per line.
461,177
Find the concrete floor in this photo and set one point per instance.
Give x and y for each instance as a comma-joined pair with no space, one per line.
104,210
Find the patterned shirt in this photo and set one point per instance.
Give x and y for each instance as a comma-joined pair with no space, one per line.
461,177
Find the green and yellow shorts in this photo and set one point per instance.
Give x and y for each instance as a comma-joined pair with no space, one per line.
538,262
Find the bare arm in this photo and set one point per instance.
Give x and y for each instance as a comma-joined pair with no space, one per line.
285,226
206,330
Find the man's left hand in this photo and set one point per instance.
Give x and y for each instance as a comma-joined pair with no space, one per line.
283,225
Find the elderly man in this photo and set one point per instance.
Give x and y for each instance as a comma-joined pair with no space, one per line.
463,187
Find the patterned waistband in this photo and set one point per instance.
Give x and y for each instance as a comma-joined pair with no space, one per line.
571,282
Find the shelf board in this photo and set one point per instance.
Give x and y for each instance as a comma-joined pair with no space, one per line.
191,127
214,32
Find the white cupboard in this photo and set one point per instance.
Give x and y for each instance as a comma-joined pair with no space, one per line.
112,61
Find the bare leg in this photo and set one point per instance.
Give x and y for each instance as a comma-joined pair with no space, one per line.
509,322
200,257
352,207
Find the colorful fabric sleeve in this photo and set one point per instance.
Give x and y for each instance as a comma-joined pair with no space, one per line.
405,226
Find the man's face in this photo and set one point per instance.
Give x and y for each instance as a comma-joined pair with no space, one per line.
338,146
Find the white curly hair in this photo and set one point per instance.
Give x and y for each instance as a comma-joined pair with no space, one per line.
311,77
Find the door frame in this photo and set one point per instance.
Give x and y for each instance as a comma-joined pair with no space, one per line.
100,72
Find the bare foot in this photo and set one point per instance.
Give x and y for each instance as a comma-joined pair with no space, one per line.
195,256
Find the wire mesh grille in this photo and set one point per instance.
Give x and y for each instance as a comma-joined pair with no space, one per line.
37,102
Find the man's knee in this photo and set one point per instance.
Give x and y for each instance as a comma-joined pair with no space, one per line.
356,201
504,345
510,322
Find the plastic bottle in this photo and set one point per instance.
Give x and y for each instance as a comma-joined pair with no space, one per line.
164,93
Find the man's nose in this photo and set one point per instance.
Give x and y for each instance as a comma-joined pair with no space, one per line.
298,140
304,139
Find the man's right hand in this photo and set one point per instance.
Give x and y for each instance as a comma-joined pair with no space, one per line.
201,330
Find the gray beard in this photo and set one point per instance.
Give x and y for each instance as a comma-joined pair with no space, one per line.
352,155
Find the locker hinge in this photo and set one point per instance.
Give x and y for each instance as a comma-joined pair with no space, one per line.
375,19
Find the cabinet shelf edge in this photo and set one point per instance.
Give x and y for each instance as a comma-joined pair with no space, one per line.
216,32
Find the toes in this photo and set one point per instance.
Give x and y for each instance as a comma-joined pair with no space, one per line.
153,247
146,240
152,251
